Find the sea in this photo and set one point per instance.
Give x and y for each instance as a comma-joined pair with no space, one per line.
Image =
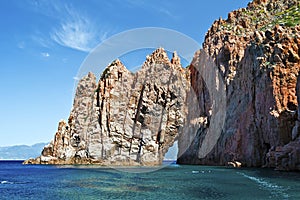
172,181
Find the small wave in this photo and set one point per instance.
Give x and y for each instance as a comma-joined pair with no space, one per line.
6,182
274,189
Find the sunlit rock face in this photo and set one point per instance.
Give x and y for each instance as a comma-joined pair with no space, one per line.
125,118
236,103
256,51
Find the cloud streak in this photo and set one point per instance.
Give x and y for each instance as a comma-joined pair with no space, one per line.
45,54
74,28
163,7
167,12
76,31
21,45
77,35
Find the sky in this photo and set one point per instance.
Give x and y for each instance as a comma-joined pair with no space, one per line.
44,43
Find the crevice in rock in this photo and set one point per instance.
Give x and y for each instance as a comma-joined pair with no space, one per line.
137,114
100,119
108,118
98,96
141,144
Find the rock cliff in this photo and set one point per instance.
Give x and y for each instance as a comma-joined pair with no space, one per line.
125,118
256,50
236,103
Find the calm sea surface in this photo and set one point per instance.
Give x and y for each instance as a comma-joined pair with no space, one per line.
19,181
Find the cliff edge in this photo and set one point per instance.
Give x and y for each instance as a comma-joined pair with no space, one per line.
256,50
237,102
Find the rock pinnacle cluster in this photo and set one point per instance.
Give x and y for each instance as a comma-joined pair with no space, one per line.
130,118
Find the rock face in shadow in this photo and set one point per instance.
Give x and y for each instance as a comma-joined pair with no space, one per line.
256,52
125,118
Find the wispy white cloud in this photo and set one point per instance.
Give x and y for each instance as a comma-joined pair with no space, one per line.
64,60
74,29
167,12
163,7
40,39
45,54
21,45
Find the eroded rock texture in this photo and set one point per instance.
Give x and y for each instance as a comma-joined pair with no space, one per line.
256,50
237,102
125,118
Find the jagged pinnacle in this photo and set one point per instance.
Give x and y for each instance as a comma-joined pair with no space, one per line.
160,56
175,59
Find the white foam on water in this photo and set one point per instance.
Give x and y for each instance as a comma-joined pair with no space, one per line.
274,189
6,182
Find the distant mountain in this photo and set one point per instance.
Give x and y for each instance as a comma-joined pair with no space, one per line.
21,152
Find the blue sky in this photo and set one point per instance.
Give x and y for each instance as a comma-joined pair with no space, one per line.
43,44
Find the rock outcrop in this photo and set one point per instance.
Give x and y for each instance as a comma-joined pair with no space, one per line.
125,118
256,50
237,103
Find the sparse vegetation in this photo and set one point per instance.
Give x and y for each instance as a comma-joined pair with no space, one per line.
263,19
290,17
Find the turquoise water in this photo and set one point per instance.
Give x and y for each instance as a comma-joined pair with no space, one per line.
19,181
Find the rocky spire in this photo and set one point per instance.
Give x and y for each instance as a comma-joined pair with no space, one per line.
132,119
125,119
175,59
158,56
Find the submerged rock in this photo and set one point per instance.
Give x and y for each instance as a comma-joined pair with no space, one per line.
234,164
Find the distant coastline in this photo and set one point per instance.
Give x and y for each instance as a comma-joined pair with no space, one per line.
20,152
